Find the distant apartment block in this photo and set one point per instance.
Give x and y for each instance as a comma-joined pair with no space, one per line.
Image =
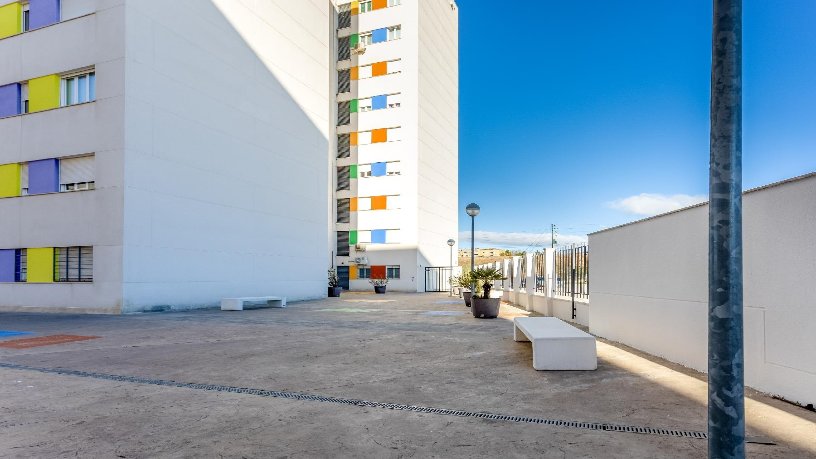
163,155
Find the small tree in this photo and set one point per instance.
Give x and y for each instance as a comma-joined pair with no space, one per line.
485,277
334,281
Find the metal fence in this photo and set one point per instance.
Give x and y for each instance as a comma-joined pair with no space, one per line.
540,272
523,271
571,271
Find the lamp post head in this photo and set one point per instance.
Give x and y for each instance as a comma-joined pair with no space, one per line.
472,209
451,242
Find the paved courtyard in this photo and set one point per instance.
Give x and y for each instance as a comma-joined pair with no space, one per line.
359,376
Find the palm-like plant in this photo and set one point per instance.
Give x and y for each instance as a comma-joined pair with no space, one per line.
485,277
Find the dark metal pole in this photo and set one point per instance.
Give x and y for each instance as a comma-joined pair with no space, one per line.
726,404
472,242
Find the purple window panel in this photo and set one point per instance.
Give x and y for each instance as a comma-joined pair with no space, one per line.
10,96
43,13
43,176
7,264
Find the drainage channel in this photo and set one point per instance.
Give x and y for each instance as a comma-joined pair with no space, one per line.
365,403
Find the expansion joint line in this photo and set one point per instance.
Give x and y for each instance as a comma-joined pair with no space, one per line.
599,426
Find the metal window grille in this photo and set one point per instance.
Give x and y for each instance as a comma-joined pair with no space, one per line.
364,273
512,273
393,272
571,271
73,264
343,214
343,113
523,271
343,49
343,178
20,265
343,81
344,16
540,272
343,249
343,146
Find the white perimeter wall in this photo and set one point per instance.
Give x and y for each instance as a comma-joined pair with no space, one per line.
227,152
649,287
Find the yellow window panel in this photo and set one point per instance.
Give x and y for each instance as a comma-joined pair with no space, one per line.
40,265
353,273
43,93
11,19
355,8
9,180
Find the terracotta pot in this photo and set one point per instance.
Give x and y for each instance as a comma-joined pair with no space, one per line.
334,292
466,295
487,308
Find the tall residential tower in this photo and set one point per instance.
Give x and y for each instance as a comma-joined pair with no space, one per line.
165,154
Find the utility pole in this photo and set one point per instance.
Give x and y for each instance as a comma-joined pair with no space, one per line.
726,403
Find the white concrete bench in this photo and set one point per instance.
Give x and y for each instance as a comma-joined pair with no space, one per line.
239,304
556,344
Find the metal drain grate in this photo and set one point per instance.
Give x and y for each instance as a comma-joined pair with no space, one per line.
365,403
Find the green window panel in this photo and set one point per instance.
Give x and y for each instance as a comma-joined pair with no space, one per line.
354,39
353,171
353,237
354,105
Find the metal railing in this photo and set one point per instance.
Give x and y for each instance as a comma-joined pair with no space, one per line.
571,271
540,272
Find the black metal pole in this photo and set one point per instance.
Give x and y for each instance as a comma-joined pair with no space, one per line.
472,243
726,404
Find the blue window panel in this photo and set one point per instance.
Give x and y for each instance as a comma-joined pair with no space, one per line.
379,102
379,35
378,236
378,170
10,100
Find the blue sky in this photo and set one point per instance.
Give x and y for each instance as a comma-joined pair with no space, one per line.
592,114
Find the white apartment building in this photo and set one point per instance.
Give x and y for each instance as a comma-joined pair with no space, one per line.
397,140
163,155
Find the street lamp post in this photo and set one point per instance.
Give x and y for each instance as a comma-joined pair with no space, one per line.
472,210
451,243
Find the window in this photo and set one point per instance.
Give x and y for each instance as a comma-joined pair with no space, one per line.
20,265
24,179
365,7
365,105
78,89
343,214
24,97
394,33
392,272
73,264
394,2
26,17
366,39
363,272
343,248
77,174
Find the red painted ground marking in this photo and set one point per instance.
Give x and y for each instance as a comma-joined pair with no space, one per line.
26,343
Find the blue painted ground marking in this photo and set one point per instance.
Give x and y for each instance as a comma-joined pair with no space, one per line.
7,333
443,313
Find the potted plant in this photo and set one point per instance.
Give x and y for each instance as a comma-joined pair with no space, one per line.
334,284
481,303
465,282
379,285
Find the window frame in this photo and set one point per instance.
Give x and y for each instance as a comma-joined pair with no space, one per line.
71,82
390,269
366,6
74,265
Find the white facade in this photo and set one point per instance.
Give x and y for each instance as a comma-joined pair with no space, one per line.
211,152
211,137
659,303
420,117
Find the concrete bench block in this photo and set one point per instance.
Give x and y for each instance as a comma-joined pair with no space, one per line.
556,344
239,304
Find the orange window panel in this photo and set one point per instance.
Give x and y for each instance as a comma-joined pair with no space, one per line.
353,139
378,272
379,203
379,69
355,8
355,73
353,205
379,135
379,4
353,273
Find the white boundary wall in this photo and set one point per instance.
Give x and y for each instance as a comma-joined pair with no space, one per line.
649,287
